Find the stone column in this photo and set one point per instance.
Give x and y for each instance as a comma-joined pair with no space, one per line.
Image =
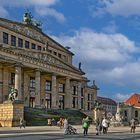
26,89
37,89
79,95
18,80
54,101
5,84
1,84
68,95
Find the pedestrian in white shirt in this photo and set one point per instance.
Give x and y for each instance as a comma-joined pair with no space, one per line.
65,126
105,125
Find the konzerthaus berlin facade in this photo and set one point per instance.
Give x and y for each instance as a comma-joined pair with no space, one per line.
40,69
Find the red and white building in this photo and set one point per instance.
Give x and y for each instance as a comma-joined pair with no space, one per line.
129,109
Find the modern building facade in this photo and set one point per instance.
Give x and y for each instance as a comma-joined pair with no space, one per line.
40,69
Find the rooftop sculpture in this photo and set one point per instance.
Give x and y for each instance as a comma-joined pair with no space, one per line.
28,18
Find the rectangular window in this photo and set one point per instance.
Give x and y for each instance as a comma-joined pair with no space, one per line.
32,82
27,44
55,53
82,103
48,85
75,102
20,42
89,97
48,100
61,101
136,114
82,91
13,40
33,46
125,112
88,106
39,48
5,38
61,88
50,51
12,78
59,55
75,90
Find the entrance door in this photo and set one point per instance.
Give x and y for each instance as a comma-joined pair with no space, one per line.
61,101
32,102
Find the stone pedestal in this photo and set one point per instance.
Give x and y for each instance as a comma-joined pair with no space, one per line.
99,113
10,113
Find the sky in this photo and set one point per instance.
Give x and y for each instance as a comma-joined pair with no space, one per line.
104,35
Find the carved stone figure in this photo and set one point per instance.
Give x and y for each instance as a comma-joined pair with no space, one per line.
27,17
37,24
97,104
13,94
79,65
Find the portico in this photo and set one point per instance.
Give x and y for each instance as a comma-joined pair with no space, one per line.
40,69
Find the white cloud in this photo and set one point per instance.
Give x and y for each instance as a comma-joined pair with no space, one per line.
43,2
122,97
109,58
50,12
18,3
118,7
110,28
42,7
100,46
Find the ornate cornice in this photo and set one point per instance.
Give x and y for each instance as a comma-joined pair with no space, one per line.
39,60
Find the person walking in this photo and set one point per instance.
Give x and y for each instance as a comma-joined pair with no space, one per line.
105,125
133,125
65,126
85,125
98,126
22,123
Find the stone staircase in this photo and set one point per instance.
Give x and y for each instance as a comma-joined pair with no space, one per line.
39,117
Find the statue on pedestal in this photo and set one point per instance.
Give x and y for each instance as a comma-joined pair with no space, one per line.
99,112
13,94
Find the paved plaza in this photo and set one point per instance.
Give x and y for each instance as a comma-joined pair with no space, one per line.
117,136
55,133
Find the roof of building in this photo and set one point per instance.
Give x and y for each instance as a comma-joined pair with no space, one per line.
106,101
37,29
43,34
133,100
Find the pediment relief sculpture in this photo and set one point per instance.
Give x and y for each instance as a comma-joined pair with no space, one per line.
36,58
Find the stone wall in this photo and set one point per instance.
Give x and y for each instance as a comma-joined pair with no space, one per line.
10,113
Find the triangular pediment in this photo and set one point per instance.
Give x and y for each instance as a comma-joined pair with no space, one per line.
38,58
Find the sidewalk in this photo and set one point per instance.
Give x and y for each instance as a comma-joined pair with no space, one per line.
32,130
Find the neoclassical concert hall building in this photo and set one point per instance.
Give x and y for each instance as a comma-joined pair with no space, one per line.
40,69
